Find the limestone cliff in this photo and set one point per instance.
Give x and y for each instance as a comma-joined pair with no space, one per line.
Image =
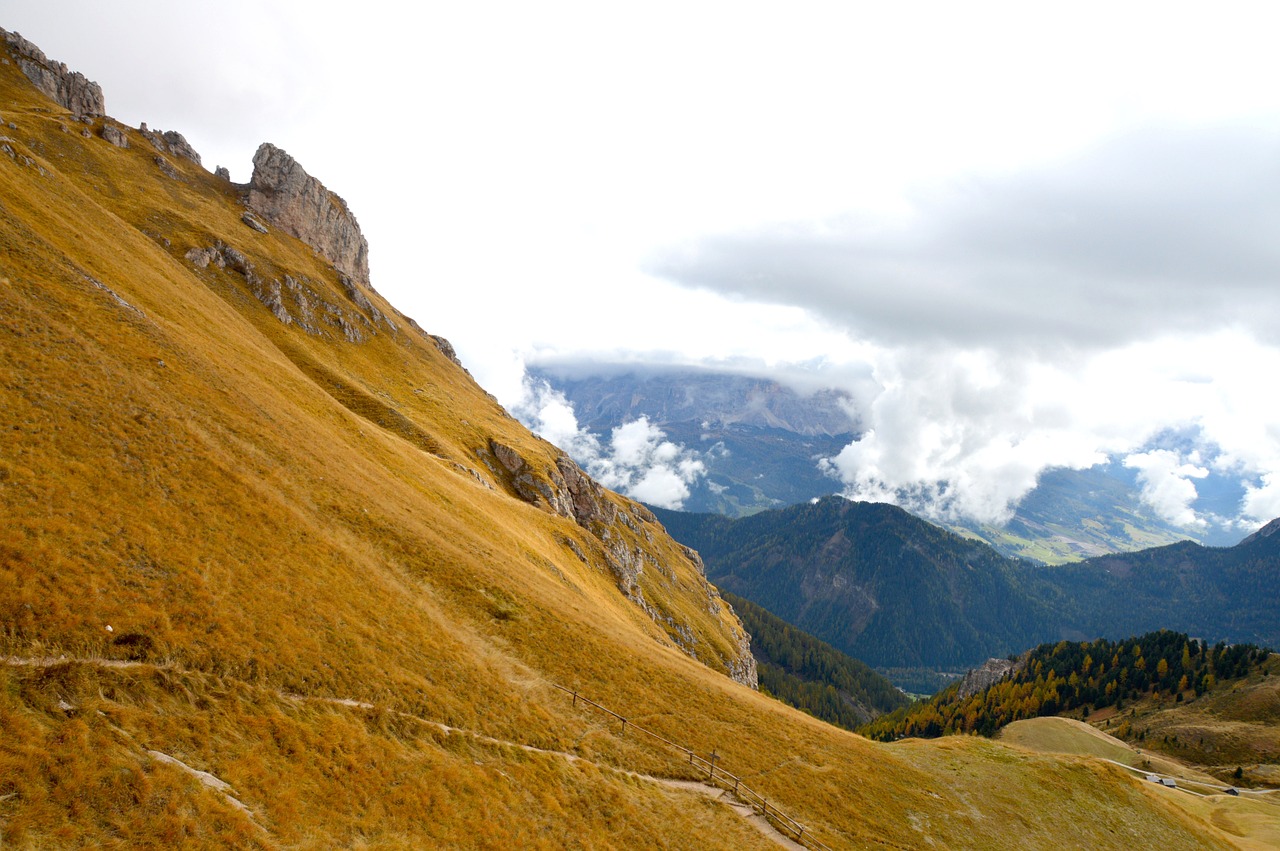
73,90
284,194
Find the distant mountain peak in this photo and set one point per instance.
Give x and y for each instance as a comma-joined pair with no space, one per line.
1265,532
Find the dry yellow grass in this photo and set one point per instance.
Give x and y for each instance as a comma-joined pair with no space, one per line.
1069,736
272,521
1249,821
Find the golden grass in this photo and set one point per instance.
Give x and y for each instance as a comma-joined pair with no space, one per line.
1248,821
1069,736
256,512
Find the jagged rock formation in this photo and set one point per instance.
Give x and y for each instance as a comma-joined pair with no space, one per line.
170,141
991,672
284,194
115,136
73,90
297,300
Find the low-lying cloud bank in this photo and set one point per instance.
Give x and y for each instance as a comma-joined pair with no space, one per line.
959,435
964,435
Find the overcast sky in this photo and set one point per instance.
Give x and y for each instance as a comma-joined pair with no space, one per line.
1022,235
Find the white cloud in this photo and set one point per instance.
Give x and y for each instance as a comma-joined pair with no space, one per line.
1262,501
1167,486
956,436
638,461
964,433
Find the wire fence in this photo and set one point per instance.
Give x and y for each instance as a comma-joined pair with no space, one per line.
788,826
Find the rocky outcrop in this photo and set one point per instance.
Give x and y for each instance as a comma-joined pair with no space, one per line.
742,667
991,672
73,90
115,136
170,142
284,194
624,535
295,300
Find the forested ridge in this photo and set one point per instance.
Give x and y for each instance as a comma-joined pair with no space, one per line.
873,581
810,674
1069,676
897,592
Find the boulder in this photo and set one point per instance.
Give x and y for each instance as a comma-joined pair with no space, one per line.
115,136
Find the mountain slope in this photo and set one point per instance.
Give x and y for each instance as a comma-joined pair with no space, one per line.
1216,593
897,592
275,572
871,579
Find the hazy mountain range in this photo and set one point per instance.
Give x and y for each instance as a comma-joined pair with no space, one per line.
763,445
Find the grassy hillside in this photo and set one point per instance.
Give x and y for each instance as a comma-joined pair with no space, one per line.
1250,819
286,585
1231,732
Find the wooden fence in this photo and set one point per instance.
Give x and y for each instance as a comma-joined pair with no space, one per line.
715,774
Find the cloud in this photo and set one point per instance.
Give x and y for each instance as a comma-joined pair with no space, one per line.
1046,317
957,437
638,461
1167,486
1262,501
1167,230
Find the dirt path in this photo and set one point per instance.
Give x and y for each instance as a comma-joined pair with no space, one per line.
723,796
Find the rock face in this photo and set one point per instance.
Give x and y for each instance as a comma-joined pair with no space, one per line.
73,90
284,194
170,141
991,672
299,301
